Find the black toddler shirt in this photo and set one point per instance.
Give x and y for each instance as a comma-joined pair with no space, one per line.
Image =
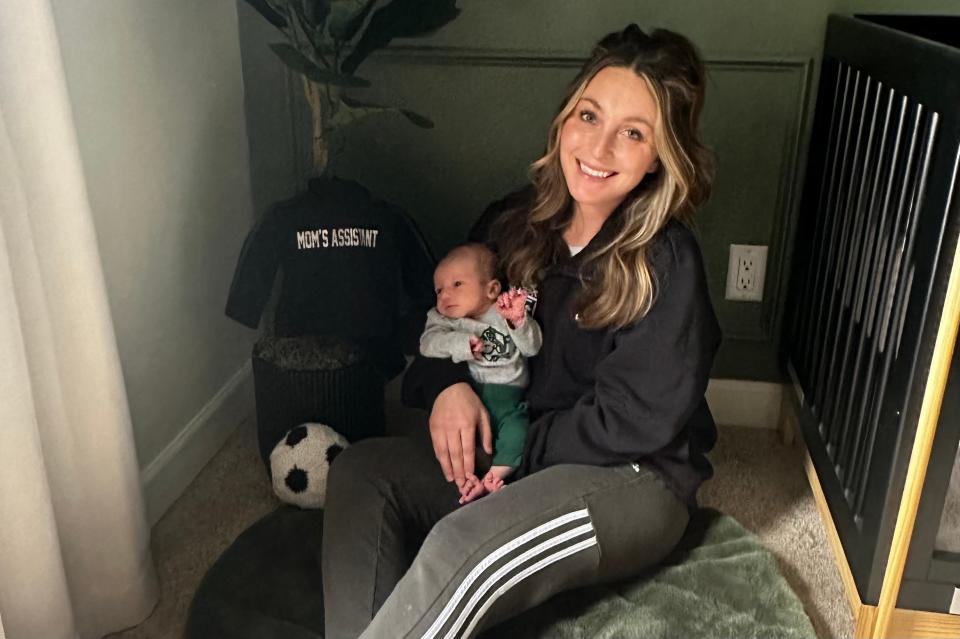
352,265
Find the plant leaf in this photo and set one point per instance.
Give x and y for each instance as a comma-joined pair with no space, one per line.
347,16
295,60
315,12
308,11
351,111
416,119
272,16
400,19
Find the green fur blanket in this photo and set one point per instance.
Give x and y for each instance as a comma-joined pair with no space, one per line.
720,582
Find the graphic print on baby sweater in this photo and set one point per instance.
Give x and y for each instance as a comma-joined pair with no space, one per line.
496,345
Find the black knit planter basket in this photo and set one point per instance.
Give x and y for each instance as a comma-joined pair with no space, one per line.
312,379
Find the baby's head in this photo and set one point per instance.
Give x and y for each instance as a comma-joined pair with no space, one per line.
465,281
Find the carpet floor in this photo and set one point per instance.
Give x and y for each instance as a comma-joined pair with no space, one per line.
759,481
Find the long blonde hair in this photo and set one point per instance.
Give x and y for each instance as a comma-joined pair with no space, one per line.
619,287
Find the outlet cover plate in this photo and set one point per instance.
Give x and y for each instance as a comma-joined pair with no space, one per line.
746,272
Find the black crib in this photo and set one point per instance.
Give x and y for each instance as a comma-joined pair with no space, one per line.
870,348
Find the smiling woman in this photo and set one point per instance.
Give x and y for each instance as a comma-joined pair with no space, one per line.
607,147
625,139
614,450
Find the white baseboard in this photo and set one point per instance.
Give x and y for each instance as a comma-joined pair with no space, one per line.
169,474
736,402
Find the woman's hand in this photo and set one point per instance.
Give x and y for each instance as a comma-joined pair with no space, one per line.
456,414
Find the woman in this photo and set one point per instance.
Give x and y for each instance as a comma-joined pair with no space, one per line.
619,425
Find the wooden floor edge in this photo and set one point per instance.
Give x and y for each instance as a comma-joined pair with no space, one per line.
916,624
913,624
936,383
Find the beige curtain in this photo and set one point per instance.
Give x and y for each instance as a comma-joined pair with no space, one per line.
74,544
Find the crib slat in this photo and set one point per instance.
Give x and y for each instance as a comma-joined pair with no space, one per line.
887,301
858,385
824,265
872,288
804,325
840,319
841,373
875,281
847,213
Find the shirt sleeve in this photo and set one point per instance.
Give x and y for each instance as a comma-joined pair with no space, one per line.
527,337
650,384
255,272
441,339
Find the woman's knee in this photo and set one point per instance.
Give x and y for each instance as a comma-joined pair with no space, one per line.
637,526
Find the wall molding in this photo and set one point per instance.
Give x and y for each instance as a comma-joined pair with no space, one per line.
735,402
172,471
789,187
482,56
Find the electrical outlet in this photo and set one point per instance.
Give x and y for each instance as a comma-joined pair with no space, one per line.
745,272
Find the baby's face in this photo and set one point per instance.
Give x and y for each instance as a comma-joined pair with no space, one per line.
461,291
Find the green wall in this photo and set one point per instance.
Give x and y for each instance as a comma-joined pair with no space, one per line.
491,81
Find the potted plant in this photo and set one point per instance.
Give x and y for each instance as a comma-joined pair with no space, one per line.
325,42
350,262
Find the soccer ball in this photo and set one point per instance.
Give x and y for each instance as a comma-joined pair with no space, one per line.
300,461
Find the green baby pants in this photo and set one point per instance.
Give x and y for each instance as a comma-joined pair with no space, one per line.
508,419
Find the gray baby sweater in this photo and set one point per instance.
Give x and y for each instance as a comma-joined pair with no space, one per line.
504,352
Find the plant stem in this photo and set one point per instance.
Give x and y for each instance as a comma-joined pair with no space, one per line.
321,156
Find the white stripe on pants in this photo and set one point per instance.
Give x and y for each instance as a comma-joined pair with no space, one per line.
549,543
563,527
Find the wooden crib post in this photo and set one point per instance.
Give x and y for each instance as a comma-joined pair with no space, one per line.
920,455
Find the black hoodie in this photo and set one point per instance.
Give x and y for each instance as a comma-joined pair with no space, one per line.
610,396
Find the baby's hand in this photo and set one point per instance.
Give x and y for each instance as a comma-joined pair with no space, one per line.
476,347
512,306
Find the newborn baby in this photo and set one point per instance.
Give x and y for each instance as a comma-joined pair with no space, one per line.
475,323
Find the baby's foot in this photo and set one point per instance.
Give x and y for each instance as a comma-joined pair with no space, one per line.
472,489
492,483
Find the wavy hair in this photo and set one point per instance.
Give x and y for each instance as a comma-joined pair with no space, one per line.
619,287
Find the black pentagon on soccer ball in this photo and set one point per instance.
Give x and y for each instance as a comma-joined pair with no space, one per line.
296,480
296,435
333,451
